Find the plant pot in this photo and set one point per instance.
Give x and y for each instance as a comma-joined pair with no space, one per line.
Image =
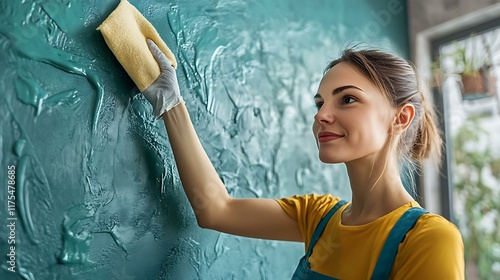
478,85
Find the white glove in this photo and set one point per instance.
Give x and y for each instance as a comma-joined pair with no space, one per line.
164,93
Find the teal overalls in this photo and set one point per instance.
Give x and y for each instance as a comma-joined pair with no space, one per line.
387,255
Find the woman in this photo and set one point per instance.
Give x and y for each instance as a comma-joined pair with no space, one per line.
371,116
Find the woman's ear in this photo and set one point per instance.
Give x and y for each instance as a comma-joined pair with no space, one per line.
404,117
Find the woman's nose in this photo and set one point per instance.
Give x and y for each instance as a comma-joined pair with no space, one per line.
324,116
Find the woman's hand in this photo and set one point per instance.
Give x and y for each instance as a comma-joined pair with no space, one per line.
164,93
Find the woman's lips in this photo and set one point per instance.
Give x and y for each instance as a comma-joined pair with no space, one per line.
328,136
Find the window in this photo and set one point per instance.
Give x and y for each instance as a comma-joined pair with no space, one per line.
466,73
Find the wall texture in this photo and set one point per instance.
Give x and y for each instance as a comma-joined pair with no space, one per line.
97,195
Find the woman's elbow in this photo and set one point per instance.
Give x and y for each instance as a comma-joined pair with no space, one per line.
208,219
204,222
213,215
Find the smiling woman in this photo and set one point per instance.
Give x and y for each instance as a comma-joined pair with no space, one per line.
360,113
371,116
92,150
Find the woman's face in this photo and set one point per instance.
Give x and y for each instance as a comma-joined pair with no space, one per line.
353,118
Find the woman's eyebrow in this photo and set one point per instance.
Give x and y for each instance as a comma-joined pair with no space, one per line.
339,90
342,88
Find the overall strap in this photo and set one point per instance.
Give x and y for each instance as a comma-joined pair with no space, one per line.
321,226
396,236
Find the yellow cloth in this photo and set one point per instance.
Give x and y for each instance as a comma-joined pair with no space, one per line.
433,249
125,31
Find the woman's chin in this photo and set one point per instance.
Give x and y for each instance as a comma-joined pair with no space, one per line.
330,159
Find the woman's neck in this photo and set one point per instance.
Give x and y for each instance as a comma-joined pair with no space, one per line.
377,190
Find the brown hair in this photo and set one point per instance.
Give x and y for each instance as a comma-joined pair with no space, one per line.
396,78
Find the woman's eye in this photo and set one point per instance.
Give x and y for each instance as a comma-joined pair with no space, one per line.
348,99
319,105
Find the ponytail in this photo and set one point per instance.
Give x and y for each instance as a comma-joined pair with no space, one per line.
428,141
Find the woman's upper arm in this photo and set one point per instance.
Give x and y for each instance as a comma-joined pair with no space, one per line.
258,218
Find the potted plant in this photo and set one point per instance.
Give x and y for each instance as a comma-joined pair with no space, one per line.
472,61
437,73
475,72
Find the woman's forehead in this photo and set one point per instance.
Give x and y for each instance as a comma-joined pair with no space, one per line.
344,74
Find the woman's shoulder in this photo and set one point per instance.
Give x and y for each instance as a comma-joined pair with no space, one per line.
311,200
433,249
308,204
433,227
430,222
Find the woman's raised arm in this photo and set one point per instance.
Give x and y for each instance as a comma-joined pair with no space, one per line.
212,205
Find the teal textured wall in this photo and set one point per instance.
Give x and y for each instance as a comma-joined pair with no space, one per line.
97,194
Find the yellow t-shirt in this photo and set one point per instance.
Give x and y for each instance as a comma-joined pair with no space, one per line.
433,249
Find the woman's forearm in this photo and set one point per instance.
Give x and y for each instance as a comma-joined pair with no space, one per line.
204,189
